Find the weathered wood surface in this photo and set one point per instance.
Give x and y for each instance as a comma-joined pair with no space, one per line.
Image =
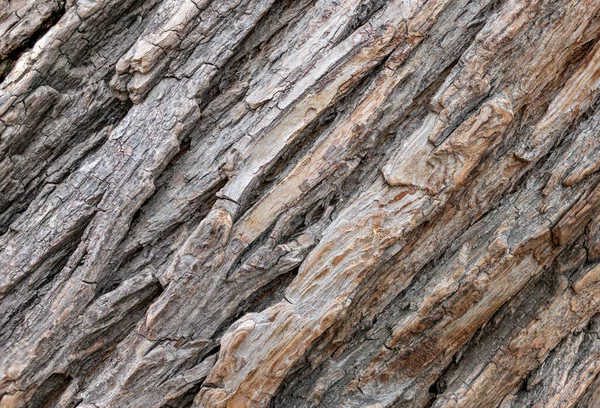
299,203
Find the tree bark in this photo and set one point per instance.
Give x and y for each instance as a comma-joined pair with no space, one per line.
299,203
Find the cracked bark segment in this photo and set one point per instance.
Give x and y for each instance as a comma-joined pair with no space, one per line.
399,27
123,164
319,33
20,20
579,352
322,290
450,163
476,69
334,203
591,396
247,393
108,213
173,30
202,252
109,210
383,377
67,113
571,308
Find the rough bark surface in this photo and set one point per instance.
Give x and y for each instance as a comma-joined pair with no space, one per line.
299,203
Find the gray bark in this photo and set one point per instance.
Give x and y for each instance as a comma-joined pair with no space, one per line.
299,203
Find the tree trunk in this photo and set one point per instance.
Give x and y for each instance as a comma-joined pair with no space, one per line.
299,203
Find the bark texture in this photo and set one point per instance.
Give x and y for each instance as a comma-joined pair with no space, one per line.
299,203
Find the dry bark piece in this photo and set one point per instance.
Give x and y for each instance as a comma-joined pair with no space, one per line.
334,203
